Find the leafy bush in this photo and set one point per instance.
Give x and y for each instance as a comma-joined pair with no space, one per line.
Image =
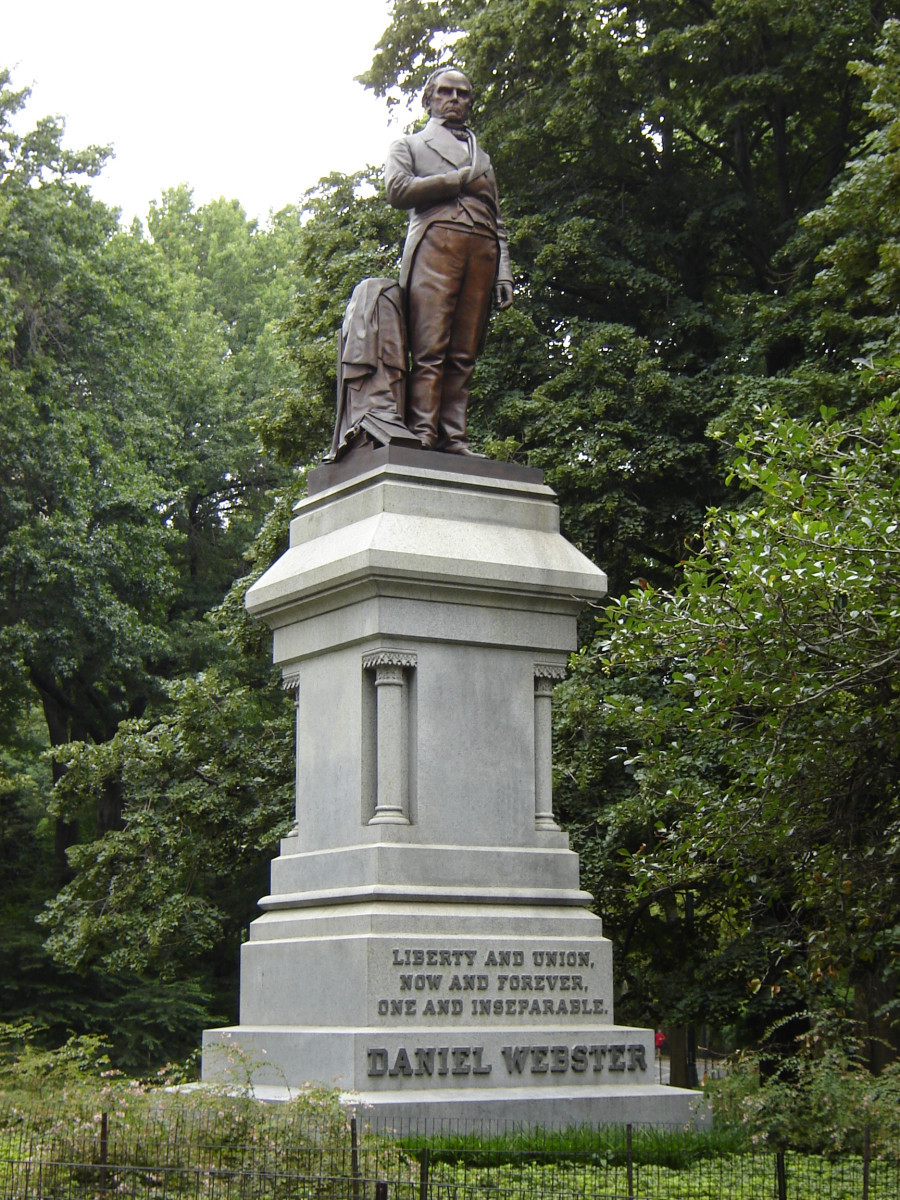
821,1105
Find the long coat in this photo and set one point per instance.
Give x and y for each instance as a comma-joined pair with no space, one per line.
422,175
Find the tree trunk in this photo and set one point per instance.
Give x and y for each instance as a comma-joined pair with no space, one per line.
778,118
58,718
682,1055
109,807
872,994
682,1038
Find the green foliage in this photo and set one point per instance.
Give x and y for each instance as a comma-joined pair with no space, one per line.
723,710
837,301
26,1068
207,788
131,486
24,780
614,430
83,565
739,1177
765,767
584,1145
229,1142
825,1105
86,577
140,1020
93,1136
858,280
131,480
231,286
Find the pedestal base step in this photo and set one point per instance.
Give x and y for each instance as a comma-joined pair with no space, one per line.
548,1108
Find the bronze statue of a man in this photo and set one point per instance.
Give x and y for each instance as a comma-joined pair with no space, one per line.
455,260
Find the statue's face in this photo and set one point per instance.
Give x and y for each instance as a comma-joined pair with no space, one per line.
452,98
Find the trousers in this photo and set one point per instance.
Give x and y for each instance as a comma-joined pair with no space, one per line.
448,299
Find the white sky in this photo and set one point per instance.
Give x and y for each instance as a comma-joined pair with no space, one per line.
254,101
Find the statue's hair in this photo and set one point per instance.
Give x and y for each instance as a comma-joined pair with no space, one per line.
432,79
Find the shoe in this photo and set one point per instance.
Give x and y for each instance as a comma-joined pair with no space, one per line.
462,451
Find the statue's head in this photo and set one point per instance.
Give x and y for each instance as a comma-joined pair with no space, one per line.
448,95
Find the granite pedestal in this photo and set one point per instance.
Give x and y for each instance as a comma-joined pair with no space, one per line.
426,944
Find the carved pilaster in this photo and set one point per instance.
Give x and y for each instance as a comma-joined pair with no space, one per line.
545,676
290,682
391,734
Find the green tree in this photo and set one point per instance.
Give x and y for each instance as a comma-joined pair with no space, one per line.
841,305
86,579
766,765
132,485
207,786
232,284
84,555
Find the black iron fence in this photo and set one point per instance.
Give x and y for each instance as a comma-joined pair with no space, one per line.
245,1151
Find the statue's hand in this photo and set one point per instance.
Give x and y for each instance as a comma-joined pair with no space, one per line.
465,177
479,186
503,294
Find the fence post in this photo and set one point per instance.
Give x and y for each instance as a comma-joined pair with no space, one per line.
354,1158
867,1156
423,1175
104,1148
780,1175
381,1189
629,1163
